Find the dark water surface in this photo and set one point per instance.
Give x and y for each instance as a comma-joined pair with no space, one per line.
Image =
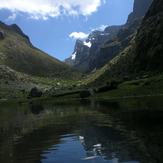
125,131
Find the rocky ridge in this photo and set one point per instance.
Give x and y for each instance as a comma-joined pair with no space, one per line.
144,54
17,53
140,9
100,51
85,52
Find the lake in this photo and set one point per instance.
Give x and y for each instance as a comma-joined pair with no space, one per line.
86,131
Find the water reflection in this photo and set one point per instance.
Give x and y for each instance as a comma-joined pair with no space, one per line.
36,109
127,131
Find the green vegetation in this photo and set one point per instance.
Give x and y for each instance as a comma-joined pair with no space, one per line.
19,54
113,89
22,66
18,85
142,87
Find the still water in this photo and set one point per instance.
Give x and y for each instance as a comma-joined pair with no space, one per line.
108,131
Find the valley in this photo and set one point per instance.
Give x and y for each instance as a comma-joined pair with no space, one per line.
102,104
122,54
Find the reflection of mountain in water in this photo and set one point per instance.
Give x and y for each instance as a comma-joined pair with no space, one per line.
107,142
125,131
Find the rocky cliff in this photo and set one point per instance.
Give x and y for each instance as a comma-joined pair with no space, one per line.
149,40
113,47
144,55
101,47
85,52
139,10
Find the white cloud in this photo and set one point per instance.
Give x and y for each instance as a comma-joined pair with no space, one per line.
43,9
100,28
13,16
78,35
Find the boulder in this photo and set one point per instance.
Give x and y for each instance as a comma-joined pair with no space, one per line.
35,93
2,36
87,93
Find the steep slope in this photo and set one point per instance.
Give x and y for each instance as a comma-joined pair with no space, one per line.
114,39
149,41
140,9
143,55
14,84
19,54
85,52
113,47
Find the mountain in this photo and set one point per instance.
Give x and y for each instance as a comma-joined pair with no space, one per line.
100,47
140,9
144,54
17,53
114,46
86,53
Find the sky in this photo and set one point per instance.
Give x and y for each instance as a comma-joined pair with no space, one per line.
54,25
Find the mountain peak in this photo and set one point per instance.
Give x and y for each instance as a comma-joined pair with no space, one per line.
86,51
13,28
19,54
139,10
17,29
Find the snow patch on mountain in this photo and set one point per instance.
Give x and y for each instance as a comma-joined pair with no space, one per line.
89,44
73,56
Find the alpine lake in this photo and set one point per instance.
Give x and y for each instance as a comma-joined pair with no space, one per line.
83,131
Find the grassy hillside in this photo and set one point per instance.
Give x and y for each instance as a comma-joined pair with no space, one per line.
136,88
14,84
18,53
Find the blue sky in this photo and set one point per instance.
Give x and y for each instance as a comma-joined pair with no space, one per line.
54,25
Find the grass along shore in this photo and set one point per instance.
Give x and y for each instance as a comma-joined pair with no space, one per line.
136,88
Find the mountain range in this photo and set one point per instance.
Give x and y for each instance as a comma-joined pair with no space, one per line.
128,51
101,47
143,56
86,53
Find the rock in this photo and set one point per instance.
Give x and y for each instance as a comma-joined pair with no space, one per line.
140,8
149,40
126,78
69,87
84,94
96,51
58,84
12,96
45,91
23,91
2,36
86,53
34,93
145,76
87,93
